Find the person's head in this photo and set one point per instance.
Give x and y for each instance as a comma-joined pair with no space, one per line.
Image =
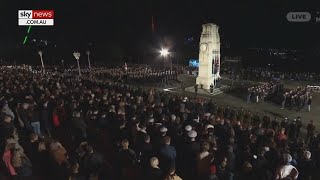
125,144
103,115
306,155
25,106
287,158
205,147
167,140
192,135
173,117
95,112
77,114
163,131
247,167
146,138
10,147
42,146
89,149
7,118
172,171
229,148
154,162
90,101
224,162
75,167
33,137
54,145
143,126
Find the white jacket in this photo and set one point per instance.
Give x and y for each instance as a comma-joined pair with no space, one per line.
287,171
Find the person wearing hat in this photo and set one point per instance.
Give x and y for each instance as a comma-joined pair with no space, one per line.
163,131
209,128
207,115
191,150
209,135
192,134
293,128
158,137
299,126
211,89
142,132
310,131
285,124
188,128
287,170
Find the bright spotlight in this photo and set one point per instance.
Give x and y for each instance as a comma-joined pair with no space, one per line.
164,52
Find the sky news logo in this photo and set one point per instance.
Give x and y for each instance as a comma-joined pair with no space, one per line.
35,17
303,17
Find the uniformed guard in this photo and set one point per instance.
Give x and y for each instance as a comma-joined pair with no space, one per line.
211,89
196,89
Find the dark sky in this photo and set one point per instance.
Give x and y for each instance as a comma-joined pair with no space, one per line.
243,23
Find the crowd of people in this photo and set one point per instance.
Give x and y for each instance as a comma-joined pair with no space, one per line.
57,126
297,99
269,90
132,73
267,74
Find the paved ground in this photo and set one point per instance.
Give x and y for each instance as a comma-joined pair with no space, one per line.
262,108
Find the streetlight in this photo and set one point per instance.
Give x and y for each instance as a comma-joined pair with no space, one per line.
77,56
88,53
40,54
164,53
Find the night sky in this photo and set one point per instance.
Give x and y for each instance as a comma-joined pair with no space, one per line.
127,23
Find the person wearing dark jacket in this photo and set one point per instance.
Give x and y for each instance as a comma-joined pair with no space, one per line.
168,154
154,172
35,120
45,119
145,151
80,127
75,174
31,150
127,160
92,162
306,167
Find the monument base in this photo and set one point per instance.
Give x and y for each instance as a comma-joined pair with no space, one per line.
205,82
206,92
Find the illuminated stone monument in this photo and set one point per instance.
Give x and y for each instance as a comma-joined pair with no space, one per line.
209,56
